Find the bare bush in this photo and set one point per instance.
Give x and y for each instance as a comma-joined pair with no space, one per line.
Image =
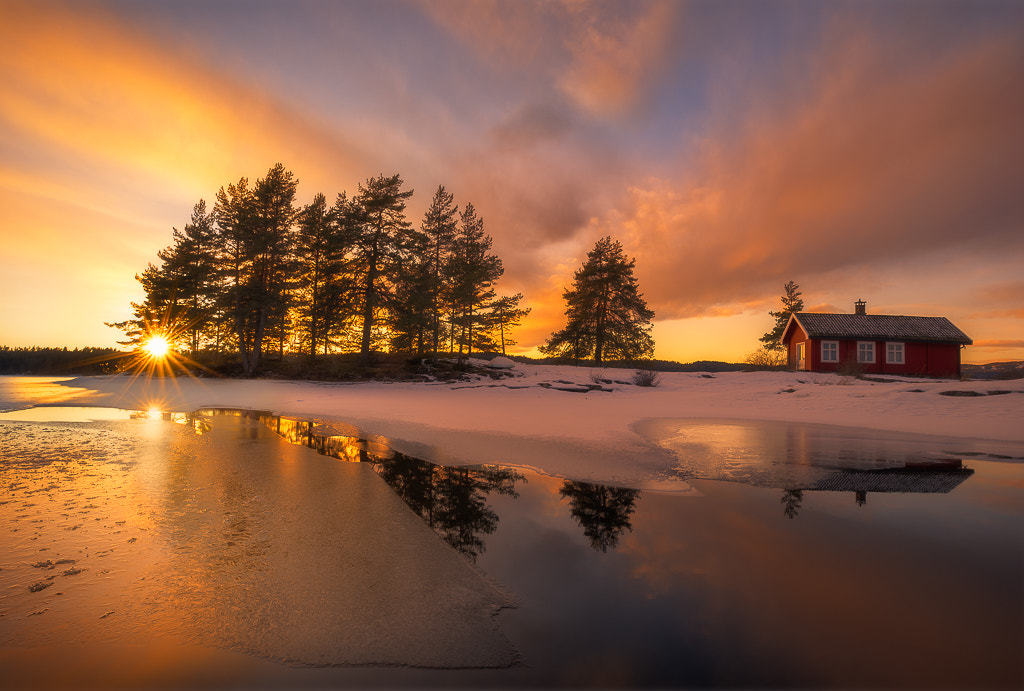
766,358
830,380
645,376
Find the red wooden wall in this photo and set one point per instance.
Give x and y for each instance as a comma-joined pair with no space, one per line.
922,359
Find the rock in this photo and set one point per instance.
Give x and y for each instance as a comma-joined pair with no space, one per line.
960,393
501,362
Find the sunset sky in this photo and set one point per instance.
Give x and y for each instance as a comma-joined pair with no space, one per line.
865,150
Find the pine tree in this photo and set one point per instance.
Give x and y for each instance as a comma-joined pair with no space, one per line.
792,302
411,308
472,271
439,227
180,292
255,236
607,316
322,283
154,313
190,265
381,244
507,315
275,226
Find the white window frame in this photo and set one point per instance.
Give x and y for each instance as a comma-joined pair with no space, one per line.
832,346
895,353
864,348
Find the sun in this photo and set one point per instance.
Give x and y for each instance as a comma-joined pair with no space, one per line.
157,347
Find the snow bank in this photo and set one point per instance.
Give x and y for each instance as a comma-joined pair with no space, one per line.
535,419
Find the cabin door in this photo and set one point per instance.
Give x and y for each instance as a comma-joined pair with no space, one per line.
801,358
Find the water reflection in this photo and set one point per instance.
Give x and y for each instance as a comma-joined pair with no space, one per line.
935,478
452,501
603,512
791,501
809,457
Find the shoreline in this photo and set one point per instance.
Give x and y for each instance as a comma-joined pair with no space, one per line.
590,436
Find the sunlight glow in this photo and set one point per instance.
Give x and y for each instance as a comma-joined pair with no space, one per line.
157,347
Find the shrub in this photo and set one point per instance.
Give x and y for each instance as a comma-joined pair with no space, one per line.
765,358
645,376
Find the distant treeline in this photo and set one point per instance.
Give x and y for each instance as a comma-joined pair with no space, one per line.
59,361
654,365
995,370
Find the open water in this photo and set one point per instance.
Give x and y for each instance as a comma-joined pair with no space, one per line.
794,556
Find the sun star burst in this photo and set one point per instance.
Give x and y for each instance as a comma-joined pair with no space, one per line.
157,347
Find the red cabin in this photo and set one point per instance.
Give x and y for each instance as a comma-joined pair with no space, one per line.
874,343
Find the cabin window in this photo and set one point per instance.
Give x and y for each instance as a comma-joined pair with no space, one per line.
830,351
865,351
894,353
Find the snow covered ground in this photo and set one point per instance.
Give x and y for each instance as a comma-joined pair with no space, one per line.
528,420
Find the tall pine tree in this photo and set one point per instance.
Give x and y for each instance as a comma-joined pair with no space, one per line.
191,265
181,291
472,271
506,315
381,244
323,285
792,302
607,316
255,236
440,225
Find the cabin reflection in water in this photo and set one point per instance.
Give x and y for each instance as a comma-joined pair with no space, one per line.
924,478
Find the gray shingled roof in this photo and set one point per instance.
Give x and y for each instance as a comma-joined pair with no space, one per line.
881,327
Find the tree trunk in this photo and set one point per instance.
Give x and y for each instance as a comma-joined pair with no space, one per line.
501,327
368,307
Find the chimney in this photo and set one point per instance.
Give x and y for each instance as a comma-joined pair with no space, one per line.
860,307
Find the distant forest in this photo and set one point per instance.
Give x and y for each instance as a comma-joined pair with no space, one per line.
257,274
58,361
98,361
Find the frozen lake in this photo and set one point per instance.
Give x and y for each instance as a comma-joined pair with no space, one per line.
209,550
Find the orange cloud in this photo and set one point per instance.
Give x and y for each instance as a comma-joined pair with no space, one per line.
77,80
877,165
613,57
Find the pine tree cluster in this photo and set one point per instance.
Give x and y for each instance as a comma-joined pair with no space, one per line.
258,274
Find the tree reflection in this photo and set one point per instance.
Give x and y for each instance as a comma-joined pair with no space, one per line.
452,501
791,500
603,512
